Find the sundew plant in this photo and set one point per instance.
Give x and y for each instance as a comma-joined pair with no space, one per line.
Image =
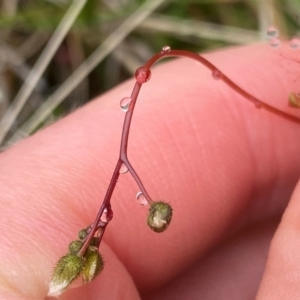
83,258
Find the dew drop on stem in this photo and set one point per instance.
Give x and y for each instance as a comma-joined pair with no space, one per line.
141,199
123,169
142,75
216,74
272,32
294,100
275,43
165,49
124,104
258,104
295,43
107,215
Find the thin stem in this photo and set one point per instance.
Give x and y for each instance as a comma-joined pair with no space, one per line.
124,140
137,180
105,203
122,159
127,121
101,233
145,71
229,82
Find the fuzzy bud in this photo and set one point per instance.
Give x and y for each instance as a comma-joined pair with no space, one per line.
93,264
75,246
82,234
159,217
66,271
294,100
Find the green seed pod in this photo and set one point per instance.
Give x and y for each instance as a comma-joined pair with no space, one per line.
294,100
93,264
66,271
159,217
75,246
82,234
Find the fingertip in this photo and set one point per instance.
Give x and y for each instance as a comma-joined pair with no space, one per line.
30,278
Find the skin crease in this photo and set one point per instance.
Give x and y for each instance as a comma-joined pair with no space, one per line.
225,166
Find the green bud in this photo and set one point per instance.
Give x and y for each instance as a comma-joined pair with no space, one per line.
66,271
93,264
159,217
82,234
75,246
294,100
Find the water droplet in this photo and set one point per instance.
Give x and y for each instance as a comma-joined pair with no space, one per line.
275,43
216,74
258,104
295,43
165,49
141,199
272,32
107,215
123,169
142,75
124,104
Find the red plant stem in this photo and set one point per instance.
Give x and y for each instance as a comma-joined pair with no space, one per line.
102,233
124,140
105,202
127,122
138,180
229,82
122,159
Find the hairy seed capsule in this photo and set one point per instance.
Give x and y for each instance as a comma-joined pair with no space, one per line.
159,217
93,264
66,271
294,100
82,234
75,246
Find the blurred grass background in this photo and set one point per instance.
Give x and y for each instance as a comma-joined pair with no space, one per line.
56,55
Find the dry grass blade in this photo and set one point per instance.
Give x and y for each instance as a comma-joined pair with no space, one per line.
268,15
9,7
40,66
17,64
128,59
85,68
199,29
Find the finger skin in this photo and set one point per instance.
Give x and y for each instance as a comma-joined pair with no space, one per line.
194,142
282,274
30,278
233,270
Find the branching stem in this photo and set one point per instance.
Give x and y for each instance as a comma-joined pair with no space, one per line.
143,75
